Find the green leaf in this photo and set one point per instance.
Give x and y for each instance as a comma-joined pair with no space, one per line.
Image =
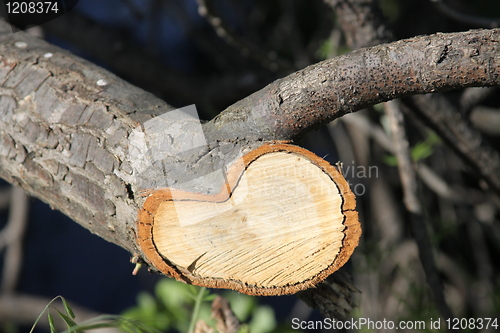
241,304
323,51
68,320
420,151
390,160
174,297
67,308
208,296
147,303
172,293
244,329
425,148
109,321
52,325
41,314
193,292
149,312
263,320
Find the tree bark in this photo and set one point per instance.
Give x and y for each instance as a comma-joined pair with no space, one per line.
291,106
63,137
66,124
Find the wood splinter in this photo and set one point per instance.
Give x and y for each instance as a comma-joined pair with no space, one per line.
282,223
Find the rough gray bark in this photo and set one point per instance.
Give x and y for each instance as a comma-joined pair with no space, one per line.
308,98
126,60
65,134
289,107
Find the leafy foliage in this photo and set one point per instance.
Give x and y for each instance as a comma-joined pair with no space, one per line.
174,306
179,306
104,321
420,151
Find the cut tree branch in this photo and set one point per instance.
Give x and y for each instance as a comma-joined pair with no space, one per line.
66,124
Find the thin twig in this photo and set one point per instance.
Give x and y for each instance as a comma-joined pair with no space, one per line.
362,22
465,18
412,204
429,177
401,150
14,232
333,297
444,118
268,59
225,319
472,96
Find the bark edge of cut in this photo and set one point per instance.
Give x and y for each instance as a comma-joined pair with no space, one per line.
194,250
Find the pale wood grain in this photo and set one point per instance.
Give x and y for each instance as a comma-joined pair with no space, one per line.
283,222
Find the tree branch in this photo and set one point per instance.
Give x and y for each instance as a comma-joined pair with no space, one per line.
440,115
268,60
127,61
12,235
332,88
476,21
412,203
289,107
66,123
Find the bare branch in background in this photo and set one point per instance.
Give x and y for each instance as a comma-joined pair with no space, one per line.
226,320
268,59
465,18
473,96
440,115
486,119
11,237
466,141
414,207
433,180
362,22
132,63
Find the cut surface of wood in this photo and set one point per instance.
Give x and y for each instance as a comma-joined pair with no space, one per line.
282,223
